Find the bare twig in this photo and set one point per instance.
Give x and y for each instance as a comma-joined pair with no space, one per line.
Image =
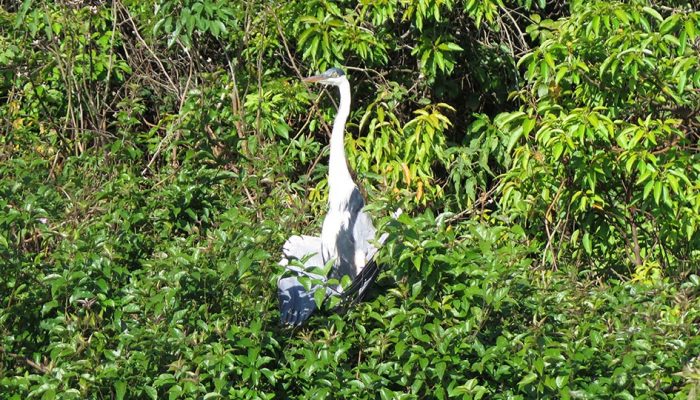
550,236
484,200
236,108
143,42
165,140
286,47
111,61
521,36
39,367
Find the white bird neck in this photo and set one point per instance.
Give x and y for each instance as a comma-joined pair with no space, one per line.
339,179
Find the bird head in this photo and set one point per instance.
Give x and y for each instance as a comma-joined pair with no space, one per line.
332,76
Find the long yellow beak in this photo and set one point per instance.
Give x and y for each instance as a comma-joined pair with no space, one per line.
312,79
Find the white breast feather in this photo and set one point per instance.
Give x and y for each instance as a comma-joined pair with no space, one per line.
334,222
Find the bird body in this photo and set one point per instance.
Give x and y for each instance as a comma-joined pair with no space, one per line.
347,228
346,234
340,189
346,219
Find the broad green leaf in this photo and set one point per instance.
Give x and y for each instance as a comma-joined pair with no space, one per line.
587,243
653,13
119,389
527,379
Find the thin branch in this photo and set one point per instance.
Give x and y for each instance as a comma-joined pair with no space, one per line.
550,235
143,42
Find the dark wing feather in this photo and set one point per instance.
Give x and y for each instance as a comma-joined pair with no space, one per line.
354,293
296,303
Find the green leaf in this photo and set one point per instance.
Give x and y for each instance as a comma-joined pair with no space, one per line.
386,394
669,24
319,296
587,243
515,136
119,389
629,164
528,124
653,13
175,392
658,186
527,379
440,369
151,392
690,29
454,47
682,80
20,17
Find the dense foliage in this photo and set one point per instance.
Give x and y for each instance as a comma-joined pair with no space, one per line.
155,155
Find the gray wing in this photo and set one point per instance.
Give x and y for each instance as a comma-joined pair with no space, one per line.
352,241
296,303
298,247
358,288
362,231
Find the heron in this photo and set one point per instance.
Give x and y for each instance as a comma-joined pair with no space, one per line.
347,233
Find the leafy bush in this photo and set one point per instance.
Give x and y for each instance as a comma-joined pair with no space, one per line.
610,133
156,156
